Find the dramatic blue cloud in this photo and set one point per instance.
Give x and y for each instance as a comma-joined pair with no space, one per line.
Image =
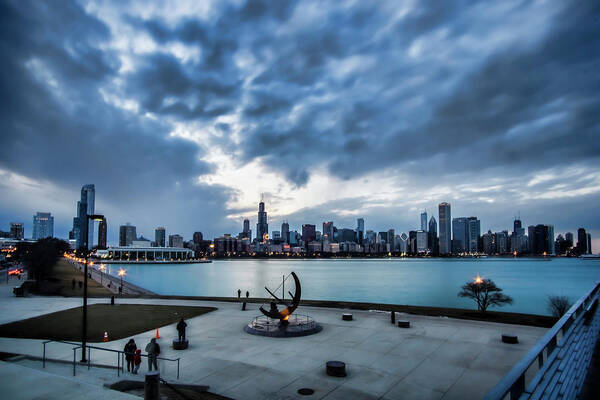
408,103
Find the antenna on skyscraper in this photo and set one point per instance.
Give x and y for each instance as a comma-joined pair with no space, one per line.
262,197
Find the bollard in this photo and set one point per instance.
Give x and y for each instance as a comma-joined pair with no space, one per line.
112,300
244,306
152,386
394,317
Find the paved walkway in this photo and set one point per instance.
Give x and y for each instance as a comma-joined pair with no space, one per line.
437,358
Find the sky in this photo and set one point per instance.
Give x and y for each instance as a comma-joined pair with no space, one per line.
183,113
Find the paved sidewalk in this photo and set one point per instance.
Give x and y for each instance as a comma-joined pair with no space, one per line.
437,358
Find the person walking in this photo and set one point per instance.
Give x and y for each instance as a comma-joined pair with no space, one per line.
129,350
181,325
153,350
247,294
137,360
239,293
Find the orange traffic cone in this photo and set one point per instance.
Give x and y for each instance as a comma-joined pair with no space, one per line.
158,337
105,339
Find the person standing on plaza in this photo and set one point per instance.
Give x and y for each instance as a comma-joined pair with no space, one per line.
153,350
129,351
181,325
239,293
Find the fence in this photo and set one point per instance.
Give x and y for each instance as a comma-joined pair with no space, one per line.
563,356
119,353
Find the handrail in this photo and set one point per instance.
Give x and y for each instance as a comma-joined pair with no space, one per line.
514,380
121,354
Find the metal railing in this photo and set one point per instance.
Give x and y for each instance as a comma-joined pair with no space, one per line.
120,356
563,356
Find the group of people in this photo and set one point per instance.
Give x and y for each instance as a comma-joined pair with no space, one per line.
133,355
240,293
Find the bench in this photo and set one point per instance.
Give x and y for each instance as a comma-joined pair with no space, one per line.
402,323
347,317
510,338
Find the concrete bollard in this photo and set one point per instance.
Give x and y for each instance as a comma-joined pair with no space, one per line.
244,306
152,386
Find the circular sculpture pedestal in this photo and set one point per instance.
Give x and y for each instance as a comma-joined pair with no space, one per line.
180,345
297,325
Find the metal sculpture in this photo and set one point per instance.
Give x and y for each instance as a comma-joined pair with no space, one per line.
284,314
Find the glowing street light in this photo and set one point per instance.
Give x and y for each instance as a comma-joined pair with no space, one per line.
478,280
121,273
102,269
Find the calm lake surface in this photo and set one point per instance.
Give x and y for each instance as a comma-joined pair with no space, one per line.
425,282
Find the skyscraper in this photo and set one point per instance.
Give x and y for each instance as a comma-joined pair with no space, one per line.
473,234
285,232
127,234
360,230
175,241
16,230
87,207
424,221
581,241
460,232
262,227
197,238
160,236
589,243
102,233
328,230
43,225
308,233
432,238
444,220
569,239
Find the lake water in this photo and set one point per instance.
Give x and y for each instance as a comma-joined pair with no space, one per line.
425,282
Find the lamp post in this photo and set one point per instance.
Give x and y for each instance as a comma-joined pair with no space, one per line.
121,273
93,217
102,268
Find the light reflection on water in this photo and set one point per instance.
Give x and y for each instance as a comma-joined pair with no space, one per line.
427,282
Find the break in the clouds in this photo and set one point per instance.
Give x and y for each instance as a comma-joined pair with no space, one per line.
182,113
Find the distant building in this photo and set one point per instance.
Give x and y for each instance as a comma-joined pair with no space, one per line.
403,245
86,206
589,243
328,230
43,225
432,238
582,241
424,221
262,227
502,242
246,231
17,231
308,233
346,235
422,246
285,232
102,233
459,235
391,235
445,218
175,241
541,239
473,234
569,239
489,243
276,237
360,230
127,234
160,237
197,238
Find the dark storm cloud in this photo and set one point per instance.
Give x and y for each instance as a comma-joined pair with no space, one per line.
56,127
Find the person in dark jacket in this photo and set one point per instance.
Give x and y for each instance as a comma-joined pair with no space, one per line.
153,350
181,325
129,350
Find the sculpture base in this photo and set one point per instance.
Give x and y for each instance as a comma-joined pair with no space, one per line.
296,325
180,345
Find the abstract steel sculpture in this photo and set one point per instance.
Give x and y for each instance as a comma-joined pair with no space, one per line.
284,314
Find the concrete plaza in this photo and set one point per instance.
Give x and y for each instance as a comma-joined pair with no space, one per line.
437,358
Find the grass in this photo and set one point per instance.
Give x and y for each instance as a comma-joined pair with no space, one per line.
120,321
60,283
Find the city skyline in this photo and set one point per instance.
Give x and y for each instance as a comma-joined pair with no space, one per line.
182,116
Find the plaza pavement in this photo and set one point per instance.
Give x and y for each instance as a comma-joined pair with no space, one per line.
437,358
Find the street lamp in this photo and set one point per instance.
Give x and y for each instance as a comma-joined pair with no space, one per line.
93,217
102,268
121,273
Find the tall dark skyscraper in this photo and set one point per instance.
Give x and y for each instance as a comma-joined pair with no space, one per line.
160,236
444,220
285,232
102,233
246,231
360,230
473,234
328,230
262,227
517,225
87,206
581,241
424,221
432,237
127,234
309,233
460,233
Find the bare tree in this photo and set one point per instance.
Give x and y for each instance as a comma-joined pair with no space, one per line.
485,293
558,305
